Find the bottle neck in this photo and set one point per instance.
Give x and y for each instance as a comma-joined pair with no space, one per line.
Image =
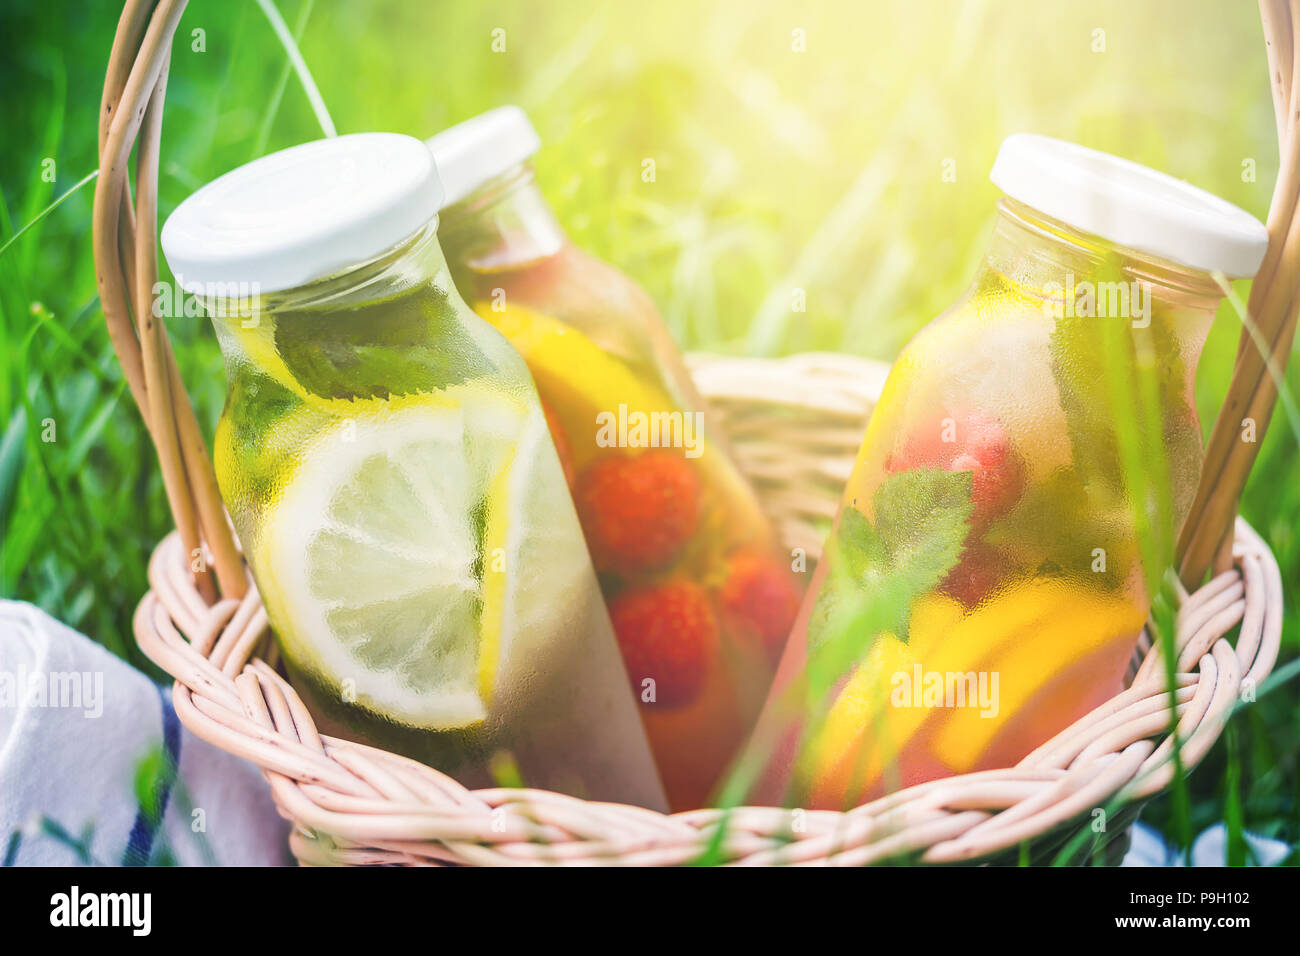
388,327
416,261
1078,274
340,319
505,223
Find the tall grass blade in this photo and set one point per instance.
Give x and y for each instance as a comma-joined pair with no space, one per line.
1233,815
281,83
299,66
12,450
89,177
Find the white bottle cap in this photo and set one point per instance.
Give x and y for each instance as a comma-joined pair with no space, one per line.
1130,205
304,213
471,153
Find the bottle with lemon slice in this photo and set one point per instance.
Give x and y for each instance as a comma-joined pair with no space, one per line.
700,595
1030,460
389,471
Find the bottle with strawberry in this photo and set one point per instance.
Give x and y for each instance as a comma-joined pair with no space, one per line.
1030,460
700,594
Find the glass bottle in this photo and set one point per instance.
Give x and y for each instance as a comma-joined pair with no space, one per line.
700,593
387,466
988,573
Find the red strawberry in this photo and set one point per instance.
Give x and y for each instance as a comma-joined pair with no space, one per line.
638,512
759,600
980,570
667,632
561,441
968,441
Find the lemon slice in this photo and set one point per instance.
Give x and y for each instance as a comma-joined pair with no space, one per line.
372,560
578,380
862,731
537,577
573,374
567,363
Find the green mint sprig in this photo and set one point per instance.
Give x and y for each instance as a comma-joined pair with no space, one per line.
876,573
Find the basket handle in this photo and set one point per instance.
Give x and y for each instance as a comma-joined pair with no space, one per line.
125,247
1206,538
126,269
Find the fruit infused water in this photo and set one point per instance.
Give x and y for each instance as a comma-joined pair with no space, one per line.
700,595
387,466
986,581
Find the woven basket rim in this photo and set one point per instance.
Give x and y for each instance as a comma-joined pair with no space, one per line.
352,803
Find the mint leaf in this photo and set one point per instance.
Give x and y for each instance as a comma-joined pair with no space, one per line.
876,573
1069,526
411,343
860,548
1085,352
923,517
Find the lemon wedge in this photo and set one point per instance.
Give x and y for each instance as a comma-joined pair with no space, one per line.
375,556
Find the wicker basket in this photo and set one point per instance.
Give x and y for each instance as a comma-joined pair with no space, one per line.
795,425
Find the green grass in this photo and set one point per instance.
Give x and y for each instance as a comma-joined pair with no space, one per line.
775,170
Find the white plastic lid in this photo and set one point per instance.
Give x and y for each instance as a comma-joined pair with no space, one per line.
304,213
1130,205
471,153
